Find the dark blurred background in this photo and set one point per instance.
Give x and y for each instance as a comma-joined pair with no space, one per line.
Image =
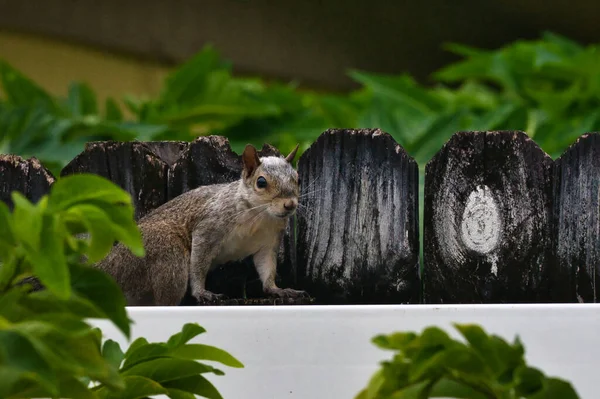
311,41
283,72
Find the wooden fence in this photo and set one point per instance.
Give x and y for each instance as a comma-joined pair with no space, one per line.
503,222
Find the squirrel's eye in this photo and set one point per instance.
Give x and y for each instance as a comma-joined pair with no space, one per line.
261,182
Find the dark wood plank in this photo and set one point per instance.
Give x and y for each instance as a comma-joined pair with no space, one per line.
133,166
27,176
358,234
487,220
208,160
577,221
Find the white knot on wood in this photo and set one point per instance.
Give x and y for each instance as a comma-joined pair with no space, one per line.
480,225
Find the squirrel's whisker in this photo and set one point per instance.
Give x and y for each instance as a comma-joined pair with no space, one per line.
256,217
246,210
312,183
311,192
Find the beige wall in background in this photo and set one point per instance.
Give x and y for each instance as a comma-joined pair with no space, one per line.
54,64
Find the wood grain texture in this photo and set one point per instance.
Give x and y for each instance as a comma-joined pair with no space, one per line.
133,166
487,220
27,176
358,237
577,220
210,160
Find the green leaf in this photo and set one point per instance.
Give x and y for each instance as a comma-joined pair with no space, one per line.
510,356
7,237
111,351
461,49
361,395
44,303
103,231
135,387
29,228
568,47
113,111
75,353
49,263
197,385
555,388
68,387
117,222
494,118
8,271
37,231
179,394
434,337
435,360
190,75
376,382
68,323
206,352
81,100
188,331
101,290
83,187
20,90
528,381
395,341
10,303
102,206
145,131
414,391
143,353
479,341
403,90
446,388
139,342
73,388
168,369
21,360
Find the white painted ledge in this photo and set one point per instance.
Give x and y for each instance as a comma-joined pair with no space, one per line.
325,351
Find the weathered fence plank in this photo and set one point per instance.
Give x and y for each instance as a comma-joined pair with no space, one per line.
577,220
28,177
133,166
487,220
358,237
208,160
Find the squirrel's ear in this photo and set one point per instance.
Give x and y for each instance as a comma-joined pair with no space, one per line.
292,154
250,160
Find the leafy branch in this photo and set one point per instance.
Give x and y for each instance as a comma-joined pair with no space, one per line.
47,346
433,365
547,87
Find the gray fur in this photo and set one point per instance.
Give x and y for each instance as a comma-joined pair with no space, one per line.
210,225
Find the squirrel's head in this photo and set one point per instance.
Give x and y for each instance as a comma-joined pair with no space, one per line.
270,182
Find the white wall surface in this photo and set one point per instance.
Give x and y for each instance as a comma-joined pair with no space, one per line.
325,352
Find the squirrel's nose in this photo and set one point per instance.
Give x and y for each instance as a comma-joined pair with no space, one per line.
289,205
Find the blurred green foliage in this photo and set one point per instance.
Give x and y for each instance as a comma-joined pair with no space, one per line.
548,87
48,348
481,366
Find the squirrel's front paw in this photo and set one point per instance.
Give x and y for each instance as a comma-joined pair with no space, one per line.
208,296
286,293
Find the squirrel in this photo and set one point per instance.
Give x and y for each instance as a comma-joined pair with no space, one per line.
194,232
